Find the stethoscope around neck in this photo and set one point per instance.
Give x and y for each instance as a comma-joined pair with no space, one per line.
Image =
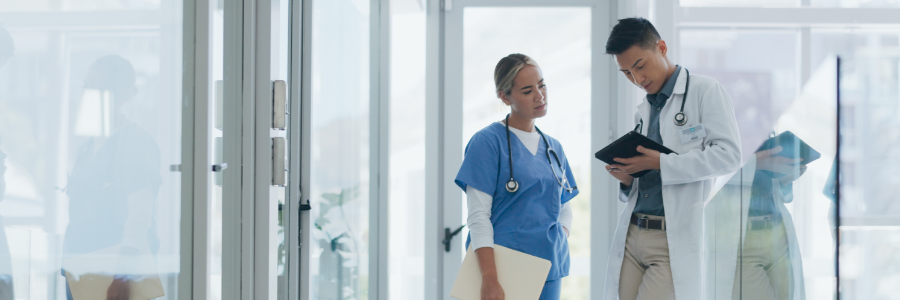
680,117
512,185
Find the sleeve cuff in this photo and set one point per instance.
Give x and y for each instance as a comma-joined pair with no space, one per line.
482,242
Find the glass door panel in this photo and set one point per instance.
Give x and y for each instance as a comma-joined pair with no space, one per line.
339,246
559,40
90,122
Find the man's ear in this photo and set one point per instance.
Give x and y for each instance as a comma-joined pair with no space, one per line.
662,47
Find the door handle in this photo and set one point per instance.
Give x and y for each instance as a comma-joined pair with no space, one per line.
220,167
448,236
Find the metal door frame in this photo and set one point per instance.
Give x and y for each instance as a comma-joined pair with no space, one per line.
444,134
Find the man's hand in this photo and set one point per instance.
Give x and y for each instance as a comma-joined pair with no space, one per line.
648,160
120,289
623,177
790,168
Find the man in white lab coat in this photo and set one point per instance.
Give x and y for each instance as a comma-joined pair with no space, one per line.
657,251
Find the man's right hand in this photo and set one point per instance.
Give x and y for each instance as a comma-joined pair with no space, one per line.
491,289
624,178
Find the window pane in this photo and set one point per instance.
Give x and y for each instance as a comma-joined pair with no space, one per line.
90,123
339,256
407,154
870,102
564,55
757,68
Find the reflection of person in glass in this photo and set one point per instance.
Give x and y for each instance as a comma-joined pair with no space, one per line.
113,185
769,266
6,284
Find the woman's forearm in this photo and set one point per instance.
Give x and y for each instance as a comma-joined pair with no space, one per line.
486,263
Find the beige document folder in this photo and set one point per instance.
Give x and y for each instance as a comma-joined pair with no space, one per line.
521,275
94,286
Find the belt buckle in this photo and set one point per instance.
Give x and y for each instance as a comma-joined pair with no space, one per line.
644,222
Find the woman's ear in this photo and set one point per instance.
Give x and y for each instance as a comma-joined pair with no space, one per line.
503,97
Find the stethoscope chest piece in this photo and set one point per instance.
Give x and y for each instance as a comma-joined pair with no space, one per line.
680,119
512,186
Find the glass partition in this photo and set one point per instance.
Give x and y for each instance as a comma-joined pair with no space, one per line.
339,252
771,226
90,136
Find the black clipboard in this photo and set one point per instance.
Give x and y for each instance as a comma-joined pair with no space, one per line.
792,147
626,147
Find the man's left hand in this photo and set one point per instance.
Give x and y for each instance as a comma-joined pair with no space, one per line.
648,160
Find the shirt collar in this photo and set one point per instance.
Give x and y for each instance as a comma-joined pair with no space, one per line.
670,84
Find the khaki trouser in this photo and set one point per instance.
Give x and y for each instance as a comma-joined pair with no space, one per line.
646,273
764,266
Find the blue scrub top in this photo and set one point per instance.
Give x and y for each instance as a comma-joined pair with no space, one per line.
527,220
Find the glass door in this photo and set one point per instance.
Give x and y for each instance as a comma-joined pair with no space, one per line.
91,146
559,36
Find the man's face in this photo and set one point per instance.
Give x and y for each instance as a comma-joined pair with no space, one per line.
646,68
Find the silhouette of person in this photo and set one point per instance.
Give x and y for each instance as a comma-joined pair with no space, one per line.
115,181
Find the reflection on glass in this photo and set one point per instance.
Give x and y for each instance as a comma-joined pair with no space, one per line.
564,55
870,135
339,253
90,123
771,218
112,190
6,273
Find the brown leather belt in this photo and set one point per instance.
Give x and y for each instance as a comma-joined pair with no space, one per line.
646,223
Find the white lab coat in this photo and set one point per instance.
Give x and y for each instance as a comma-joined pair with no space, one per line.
687,179
728,231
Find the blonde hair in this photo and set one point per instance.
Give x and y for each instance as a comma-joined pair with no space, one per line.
507,69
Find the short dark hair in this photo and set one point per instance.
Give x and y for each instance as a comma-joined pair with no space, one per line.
630,32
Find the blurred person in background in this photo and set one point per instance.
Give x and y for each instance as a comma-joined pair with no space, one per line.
113,186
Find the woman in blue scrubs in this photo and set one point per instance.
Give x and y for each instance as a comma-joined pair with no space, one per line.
518,181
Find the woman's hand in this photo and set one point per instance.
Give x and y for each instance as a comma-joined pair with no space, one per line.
624,178
491,290
490,285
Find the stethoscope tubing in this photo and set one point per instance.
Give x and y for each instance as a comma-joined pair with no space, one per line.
512,185
680,117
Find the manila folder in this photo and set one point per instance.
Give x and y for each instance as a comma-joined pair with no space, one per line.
521,275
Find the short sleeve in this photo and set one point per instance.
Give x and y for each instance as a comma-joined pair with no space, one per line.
566,196
481,165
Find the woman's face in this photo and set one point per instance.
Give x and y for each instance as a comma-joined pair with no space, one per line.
528,98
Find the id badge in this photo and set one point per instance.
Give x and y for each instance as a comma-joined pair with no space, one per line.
692,133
